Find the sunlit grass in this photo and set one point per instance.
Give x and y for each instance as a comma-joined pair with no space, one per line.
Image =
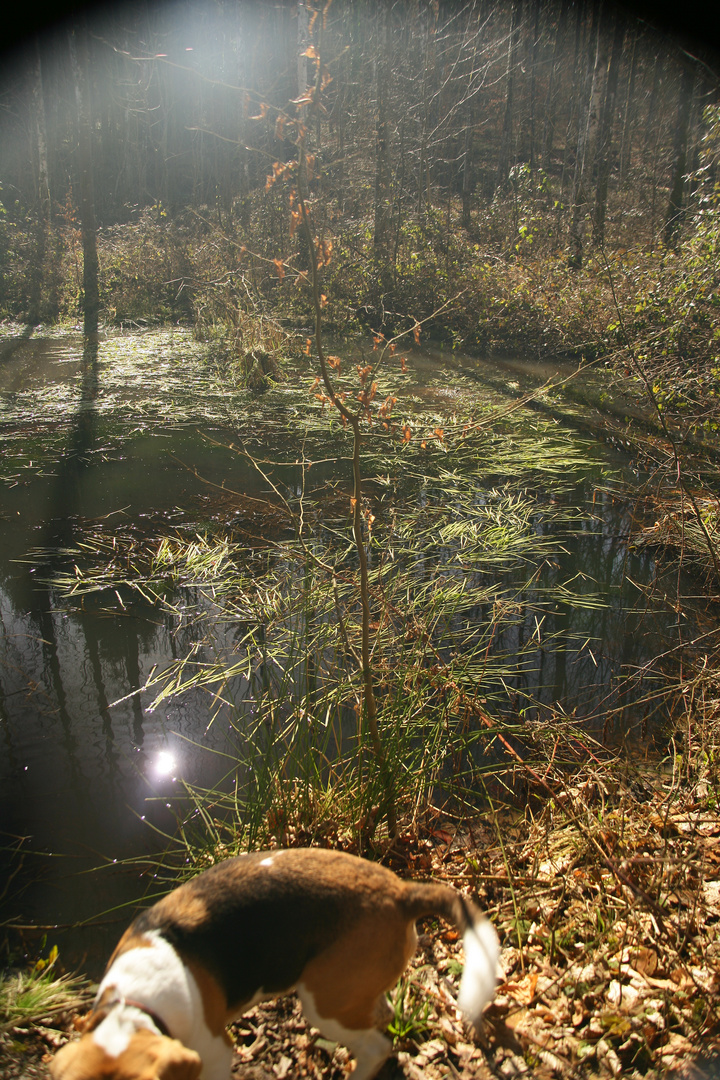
38,993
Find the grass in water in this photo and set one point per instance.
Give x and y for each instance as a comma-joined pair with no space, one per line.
275,639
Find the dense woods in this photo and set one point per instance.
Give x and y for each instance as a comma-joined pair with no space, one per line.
551,164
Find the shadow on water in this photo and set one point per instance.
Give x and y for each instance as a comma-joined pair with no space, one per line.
79,779
85,767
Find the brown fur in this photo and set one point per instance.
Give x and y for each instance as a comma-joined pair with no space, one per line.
215,1007
349,978
183,907
148,1057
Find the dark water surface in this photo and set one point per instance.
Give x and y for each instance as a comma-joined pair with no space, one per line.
85,766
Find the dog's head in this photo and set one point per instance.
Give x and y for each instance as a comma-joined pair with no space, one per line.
147,1056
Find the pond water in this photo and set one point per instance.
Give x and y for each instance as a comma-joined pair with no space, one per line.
118,444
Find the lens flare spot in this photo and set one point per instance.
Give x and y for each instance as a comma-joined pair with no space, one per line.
165,764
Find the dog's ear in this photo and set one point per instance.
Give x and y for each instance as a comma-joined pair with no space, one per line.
176,1062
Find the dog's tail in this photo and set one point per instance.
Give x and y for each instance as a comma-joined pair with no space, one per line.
480,941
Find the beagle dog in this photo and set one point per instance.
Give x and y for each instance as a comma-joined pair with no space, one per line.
337,929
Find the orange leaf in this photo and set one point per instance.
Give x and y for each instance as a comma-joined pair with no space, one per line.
522,991
416,333
311,53
438,433
280,268
324,251
407,433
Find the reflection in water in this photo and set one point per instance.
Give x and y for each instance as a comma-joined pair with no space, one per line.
77,777
85,768
80,778
164,764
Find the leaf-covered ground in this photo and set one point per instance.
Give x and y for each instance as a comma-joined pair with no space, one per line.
608,908
607,902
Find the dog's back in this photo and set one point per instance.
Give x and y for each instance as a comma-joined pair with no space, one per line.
338,929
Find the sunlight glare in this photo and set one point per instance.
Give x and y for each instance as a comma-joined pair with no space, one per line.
164,764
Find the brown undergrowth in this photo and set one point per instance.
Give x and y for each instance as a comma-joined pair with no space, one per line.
608,906
606,897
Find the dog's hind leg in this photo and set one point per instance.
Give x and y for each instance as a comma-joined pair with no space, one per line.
368,1046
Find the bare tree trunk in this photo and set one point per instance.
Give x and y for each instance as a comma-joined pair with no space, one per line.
682,124
42,197
507,129
629,113
533,72
467,174
423,172
602,156
651,130
382,148
303,24
88,227
573,116
470,111
587,133
551,104
696,134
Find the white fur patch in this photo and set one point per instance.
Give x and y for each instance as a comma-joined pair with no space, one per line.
117,1029
266,862
369,1046
155,975
479,977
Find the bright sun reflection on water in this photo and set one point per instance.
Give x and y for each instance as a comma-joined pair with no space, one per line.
164,764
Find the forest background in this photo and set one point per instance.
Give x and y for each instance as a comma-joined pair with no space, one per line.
552,164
